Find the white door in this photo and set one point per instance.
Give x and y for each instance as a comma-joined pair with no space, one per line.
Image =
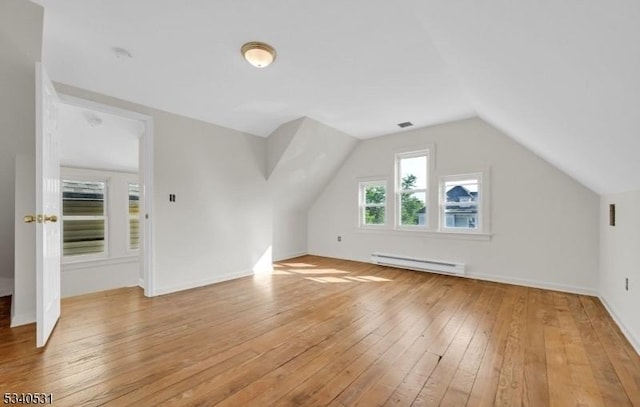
48,214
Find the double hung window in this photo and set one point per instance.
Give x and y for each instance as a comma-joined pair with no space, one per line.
84,218
412,189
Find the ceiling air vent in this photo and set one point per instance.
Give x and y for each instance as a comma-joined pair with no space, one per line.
405,124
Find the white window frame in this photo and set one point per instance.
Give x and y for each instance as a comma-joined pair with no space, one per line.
77,176
362,185
482,221
421,152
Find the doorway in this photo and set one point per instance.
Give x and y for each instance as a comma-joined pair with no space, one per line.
107,183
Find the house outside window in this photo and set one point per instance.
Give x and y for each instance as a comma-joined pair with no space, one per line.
461,202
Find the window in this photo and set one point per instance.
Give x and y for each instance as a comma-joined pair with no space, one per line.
134,216
460,202
373,202
412,188
84,217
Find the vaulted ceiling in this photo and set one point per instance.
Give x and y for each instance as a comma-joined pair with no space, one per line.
561,77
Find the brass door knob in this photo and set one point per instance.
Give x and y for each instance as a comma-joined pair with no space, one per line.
29,219
50,218
40,218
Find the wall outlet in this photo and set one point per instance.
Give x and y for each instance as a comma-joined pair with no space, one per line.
339,238
626,283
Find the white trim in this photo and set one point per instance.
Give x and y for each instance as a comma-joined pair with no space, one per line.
290,256
146,179
141,283
635,342
427,233
78,265
146,182
101,107
200,283
572,289
6,287
24,319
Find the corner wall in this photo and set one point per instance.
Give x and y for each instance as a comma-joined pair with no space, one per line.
544,224
302,157
620,259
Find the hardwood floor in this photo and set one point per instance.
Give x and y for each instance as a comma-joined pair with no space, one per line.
328,332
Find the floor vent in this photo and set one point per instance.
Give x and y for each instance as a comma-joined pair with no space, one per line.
412,263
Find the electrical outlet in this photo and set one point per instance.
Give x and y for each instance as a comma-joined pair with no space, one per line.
339,238
626,283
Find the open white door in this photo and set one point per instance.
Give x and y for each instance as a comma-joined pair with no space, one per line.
48,199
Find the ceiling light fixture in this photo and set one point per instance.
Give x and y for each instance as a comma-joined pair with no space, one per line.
258,54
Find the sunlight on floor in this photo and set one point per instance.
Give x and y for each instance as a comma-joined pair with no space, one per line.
298,265
347,279
318,271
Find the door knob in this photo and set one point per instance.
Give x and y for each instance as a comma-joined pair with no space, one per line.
50,218
40,218
29,219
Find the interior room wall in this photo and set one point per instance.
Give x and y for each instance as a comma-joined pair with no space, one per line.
544,224
620,260
20,49
219,226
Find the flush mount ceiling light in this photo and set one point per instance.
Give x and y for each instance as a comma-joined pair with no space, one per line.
258,54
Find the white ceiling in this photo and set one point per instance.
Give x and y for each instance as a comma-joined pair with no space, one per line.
110,145
560,77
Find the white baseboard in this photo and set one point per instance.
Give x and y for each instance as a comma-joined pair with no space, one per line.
6,287
24,319
141,283
200,283
534,284
289,256
635,342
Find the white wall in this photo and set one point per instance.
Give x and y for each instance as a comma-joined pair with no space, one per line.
620,259
23,301
20,49
120,267
220,225
544,224
302,157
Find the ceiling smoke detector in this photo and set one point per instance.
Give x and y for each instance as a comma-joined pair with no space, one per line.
405,124
122,53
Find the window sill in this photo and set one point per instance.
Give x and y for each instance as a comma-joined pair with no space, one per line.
81,264
427,233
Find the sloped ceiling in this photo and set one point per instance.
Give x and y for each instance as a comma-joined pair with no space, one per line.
560,77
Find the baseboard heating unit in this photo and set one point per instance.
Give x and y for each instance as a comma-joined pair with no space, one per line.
412,263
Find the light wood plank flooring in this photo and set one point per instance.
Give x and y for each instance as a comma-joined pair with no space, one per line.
328,332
